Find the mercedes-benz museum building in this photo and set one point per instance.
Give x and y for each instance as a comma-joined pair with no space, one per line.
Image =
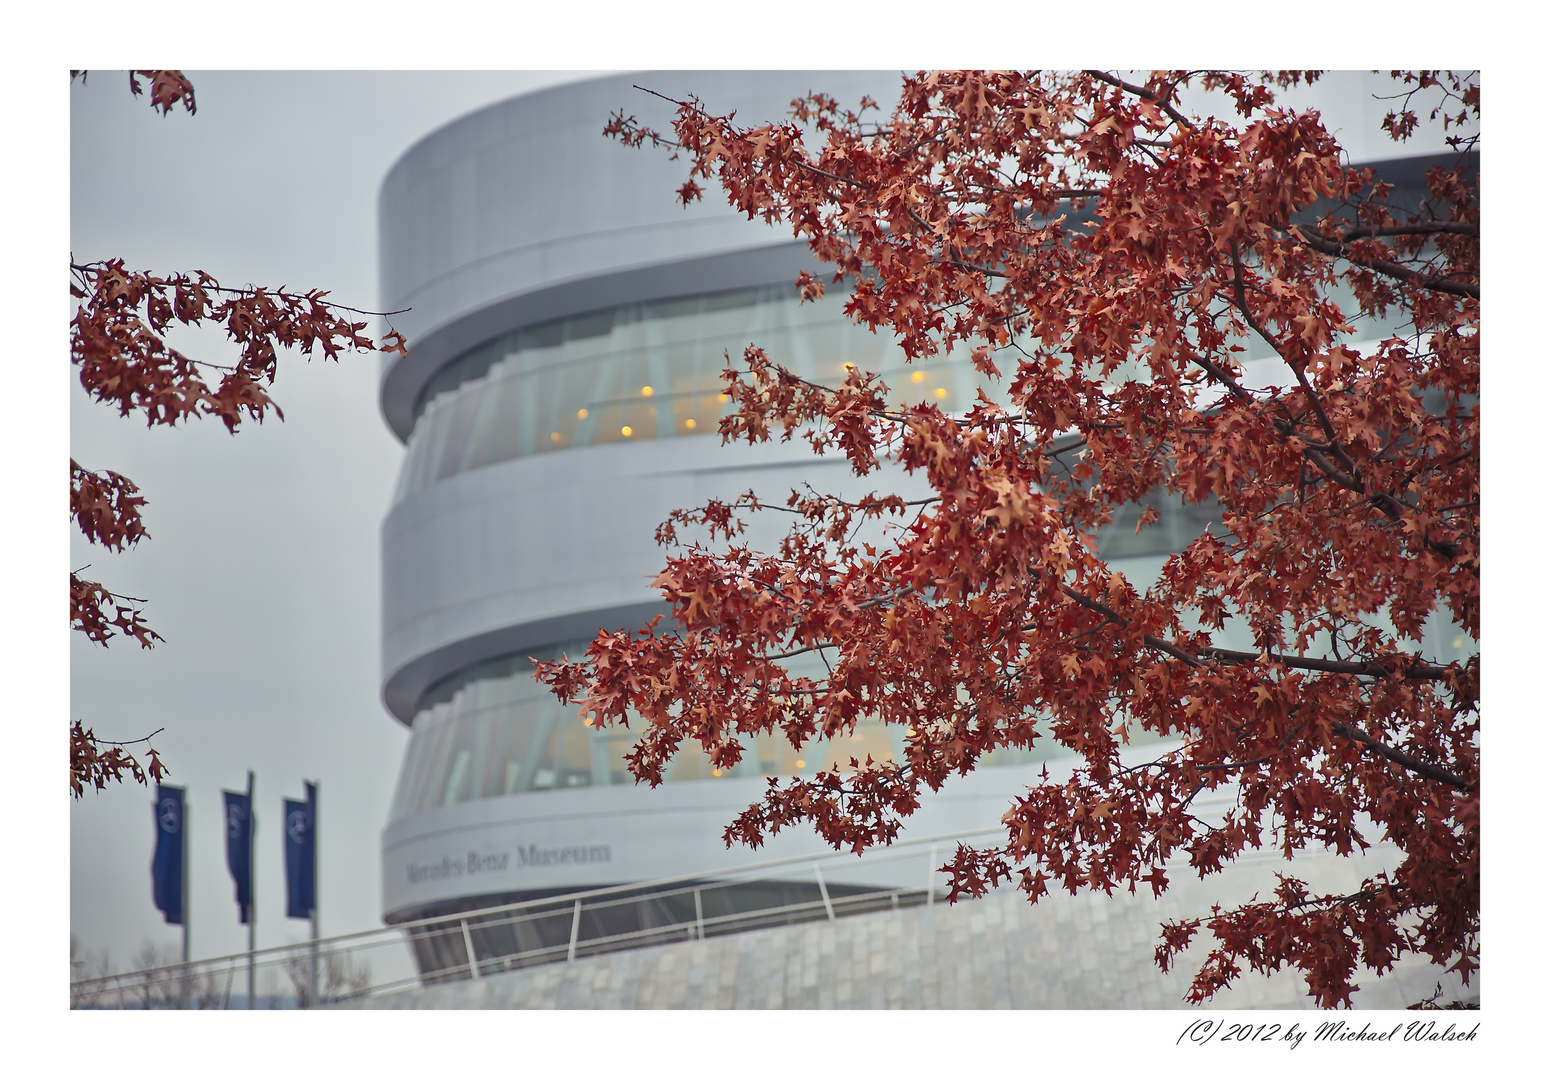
568,322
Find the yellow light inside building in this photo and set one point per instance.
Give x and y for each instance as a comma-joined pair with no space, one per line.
801,764
715,772
554,436
626,431
587,722
581,414
646,391
917,376
941,391
721,398
850,367
689,424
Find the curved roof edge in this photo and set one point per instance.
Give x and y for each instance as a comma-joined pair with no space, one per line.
405,378
402,691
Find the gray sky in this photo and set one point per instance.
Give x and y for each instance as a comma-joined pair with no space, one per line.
262,568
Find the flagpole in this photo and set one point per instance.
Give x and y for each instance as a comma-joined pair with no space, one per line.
315,935
252,899
183,993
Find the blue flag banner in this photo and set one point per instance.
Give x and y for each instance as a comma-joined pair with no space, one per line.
239,840
167,865
301,856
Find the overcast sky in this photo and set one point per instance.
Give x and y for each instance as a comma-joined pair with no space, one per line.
262,568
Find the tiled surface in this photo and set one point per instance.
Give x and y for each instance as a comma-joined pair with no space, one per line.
1082,952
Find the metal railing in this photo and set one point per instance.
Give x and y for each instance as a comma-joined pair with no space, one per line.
477,944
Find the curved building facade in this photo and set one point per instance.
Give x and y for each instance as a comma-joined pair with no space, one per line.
568,321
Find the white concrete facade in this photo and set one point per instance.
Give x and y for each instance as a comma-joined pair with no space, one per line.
515,215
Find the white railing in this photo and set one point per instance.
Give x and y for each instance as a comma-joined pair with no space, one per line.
477,944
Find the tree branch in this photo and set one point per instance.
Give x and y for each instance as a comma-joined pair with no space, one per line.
1404,760
1385,266
1370,668
1415,228
1142,92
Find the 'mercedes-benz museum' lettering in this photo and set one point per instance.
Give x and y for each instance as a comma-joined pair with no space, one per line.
478,862
533,855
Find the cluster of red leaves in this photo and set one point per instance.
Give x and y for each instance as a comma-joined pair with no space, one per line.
106,508
1108,257
97,762
1462,91
168,88
118,343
